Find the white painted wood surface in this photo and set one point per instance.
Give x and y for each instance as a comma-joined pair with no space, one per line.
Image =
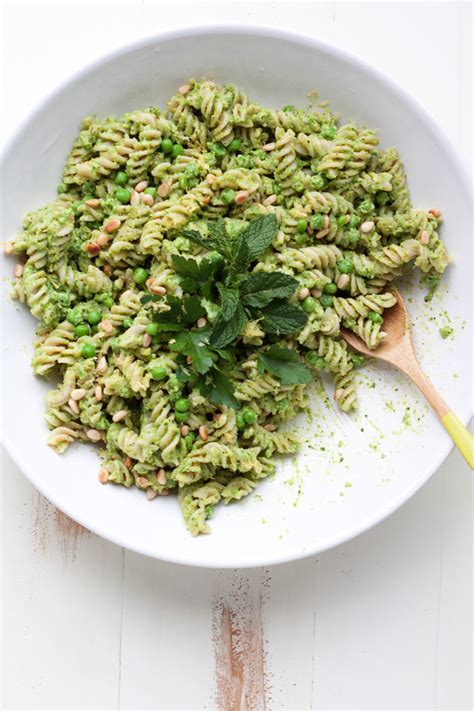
383,622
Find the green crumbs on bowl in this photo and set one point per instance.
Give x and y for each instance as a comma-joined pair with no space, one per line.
191,278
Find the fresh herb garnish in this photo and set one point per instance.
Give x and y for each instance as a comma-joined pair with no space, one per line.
284,364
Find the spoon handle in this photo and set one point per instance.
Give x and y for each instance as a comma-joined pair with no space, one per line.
460,435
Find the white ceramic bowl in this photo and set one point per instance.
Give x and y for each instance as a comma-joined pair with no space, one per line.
354,470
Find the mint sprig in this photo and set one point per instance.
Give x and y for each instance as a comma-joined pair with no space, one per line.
284,364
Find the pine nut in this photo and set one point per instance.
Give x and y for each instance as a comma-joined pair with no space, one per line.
201,322
210,179
325,222
92,248
103,476
141,186
108,269
303,293
316,293
94,435
241,197
128,462
367,227
206,200
157,289
151,494
203,433
435,212
424,237
322,233
185,430
184,89
310,230
18,271
8,248
135,199
165,492
142,482
270,200
161,477
269,147
270,428
78,394
112,225
74,406
120,415
189,360
106,326
93,202
343,281
147,199
163,190
102,239
98,393
147,340
102,365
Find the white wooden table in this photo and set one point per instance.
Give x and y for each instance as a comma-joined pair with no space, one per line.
383,622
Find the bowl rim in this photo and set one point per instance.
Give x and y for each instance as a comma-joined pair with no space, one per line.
296,552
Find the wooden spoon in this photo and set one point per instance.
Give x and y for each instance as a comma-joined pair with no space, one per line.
397,349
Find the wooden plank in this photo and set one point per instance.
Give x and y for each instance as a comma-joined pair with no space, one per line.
61,590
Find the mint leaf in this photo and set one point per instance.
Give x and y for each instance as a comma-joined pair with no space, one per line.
229,300
261,288
194,344
281,318
222,392
259,235
239,261
224,332
285,365
217,237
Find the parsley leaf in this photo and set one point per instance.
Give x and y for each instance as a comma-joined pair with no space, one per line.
284,364
224,332
261,288
222,392
279,318
194,274
194,344
259,235
181,312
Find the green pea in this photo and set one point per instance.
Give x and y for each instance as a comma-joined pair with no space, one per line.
330,288
61,189
127,322
318,182
249,415
302,225
153,329
182,405
239,420
181,417
358,359
315,360
123,195
317,222
328,131
342,220
301,238
345,266
150,191
375,317
121,178
82,330
445,331
309,305
108,301
382,198
166,145
189,440
159,373
88,350
326,300
354,221
235,145
282,405
93,317
183,182
218,149
140,275
353,236
227,196
74,316
177,150
276,189
366,207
